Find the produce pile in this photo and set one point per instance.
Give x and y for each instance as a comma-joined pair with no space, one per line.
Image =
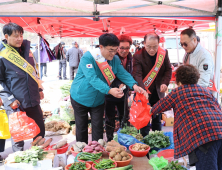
59,144
57,128
119,155
78,146
85,156
105,164
78,166
93,147
32,155
131,131
113,145
174,166
66,111
65,89
39,141
157,139
140,147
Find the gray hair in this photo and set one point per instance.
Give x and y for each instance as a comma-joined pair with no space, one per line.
151,35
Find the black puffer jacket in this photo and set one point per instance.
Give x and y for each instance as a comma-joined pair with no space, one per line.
17,84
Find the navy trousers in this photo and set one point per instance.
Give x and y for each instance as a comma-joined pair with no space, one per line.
212,160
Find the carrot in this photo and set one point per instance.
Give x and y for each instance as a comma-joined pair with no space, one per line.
46,143
41,142
36,140
59,145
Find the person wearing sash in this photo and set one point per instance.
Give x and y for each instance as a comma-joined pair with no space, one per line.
199,57
197,129
121,103
152,70
19,83
97,70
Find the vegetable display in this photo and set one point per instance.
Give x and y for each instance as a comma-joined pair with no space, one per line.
131,131
85,156
174,166
78,166
113,145
93,147
65,89
140,147
66,111
78,147
32,155
41,143
157,139
59,145
105,164
119,155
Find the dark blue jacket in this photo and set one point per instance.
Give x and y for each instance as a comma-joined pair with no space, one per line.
16,83
117,82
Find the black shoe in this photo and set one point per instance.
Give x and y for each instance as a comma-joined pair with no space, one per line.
65,78
60,78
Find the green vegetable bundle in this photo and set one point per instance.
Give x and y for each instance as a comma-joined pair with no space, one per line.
129,131
174,166
32,155
105,164
89,156
65,89
157,139
78,166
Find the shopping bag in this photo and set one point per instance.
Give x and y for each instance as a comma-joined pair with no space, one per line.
22,127
4,127
140,111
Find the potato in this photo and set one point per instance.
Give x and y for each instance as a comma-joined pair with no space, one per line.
122,148
124,153
124,158
128,157
118,150
118,157
109,148
112,154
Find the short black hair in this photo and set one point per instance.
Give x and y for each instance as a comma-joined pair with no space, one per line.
187,74
108,39
190,32
198,39
153,35
10,27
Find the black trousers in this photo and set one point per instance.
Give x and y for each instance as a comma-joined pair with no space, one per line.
81,119
156,121
110,116
36,114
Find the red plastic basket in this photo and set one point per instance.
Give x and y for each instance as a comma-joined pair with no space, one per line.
138,153
167,154
60,150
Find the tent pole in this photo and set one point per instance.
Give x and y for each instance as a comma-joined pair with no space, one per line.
218,32
39,56
177,48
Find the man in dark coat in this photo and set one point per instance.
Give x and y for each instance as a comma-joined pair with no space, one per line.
18,87
111,101
143,61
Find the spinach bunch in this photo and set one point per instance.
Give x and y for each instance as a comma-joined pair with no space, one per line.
78,166
174,166
129,131
157,139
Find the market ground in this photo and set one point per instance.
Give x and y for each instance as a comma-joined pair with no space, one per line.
52,93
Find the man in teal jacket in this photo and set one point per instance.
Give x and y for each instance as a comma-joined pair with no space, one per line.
89,87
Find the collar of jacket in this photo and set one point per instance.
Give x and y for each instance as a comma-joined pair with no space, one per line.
129,56
197,49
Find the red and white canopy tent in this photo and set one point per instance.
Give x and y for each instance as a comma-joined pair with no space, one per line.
74,18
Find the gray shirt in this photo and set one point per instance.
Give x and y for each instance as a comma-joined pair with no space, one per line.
73,56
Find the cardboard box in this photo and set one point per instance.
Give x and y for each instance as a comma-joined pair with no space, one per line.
168,121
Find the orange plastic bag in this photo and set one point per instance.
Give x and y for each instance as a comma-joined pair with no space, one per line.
22,127
140,111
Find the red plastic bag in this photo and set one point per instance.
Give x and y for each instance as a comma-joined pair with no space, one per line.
140,112
22,127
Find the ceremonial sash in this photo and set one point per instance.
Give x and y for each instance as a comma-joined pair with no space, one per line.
148,80
14,57
103,66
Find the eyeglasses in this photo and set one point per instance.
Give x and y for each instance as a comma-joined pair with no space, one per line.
113,51
185,44
154,47
124,48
